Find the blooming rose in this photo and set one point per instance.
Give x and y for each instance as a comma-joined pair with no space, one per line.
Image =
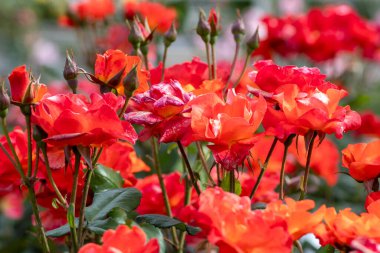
123,240
229,125
302,101
112,66
362,160
72,119
235,228
161,111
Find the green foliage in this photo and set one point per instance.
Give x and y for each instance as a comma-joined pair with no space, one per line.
162,221
105,178
107,211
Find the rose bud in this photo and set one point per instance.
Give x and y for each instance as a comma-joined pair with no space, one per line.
70,72
203,28
253,42
170,36
238,28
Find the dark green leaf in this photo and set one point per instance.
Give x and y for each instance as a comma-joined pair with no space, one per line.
100,226
127,199
163,221
62,230
105,178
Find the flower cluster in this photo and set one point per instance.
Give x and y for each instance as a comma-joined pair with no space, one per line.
320,34
134,156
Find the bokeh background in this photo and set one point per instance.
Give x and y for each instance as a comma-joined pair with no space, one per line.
31,34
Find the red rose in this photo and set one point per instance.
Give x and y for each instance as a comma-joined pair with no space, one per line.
23,88
72,119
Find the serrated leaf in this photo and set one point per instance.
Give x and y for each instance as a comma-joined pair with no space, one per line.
62,230
127,199
162,221
225,184
105,178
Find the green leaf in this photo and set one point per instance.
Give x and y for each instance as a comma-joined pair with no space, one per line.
118,215
153,232
127,199
326,249
100,226
105,178
162,221
62,230
225,184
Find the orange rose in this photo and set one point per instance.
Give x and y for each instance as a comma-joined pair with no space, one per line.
123,240
362,160
112,66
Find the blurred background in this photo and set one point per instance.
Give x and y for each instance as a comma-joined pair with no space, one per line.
36,33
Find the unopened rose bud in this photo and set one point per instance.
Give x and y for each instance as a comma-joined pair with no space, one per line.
71,69
215,27
70,72
130,82
170,35
238,28
135,36
5,101
253,42
203,28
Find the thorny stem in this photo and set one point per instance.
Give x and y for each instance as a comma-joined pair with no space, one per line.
243,71
188,167
62,200
30,186
213,58
237,48
163,63
208,61
187,202
36,212
263,168
157,167
73,199
307,167
204,162
287,144
86,189
29,133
